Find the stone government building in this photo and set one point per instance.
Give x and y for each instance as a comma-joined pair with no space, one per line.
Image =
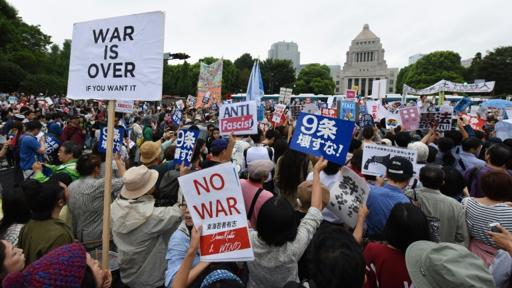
365,63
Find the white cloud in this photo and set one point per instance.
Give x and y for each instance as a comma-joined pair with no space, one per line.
323,29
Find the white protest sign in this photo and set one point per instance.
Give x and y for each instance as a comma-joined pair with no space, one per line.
330,99
49,101
124,106
118,56
392,121
278,113
376,158
214,199
285,95
372,108
310,108
379,88
346,195
238,118
180,104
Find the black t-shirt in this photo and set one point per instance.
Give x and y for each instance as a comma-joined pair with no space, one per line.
209,163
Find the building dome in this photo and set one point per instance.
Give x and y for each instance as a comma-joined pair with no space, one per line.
366,34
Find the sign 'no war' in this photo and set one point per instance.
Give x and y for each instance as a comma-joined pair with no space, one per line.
120,56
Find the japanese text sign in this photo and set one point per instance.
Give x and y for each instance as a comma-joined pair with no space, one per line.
52,144
323,136
120,56
376,158
177,117
215,201
410,118
435,120
329,112
366,120
118,140
185,144
124,106
238,118
346,196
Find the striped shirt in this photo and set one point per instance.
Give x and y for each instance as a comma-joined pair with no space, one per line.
479,216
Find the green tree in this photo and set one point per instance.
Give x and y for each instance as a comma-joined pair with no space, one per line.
43,83
277,74
316,79
184,82
433,67
244,62
244,65
497,66
402,75
470,74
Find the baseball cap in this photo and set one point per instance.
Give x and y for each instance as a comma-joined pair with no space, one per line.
218,145
400,168
440,265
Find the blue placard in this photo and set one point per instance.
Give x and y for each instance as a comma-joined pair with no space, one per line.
177,117
118,140
185,144
261,112
51,143
366,120
323,136
462,105
348,110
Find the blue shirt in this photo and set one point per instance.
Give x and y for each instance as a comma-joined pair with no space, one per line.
468,161
176,251
28,151
380,202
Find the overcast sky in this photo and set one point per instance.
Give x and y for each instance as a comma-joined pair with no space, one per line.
323,29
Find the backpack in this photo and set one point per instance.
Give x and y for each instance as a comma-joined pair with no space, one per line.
167,194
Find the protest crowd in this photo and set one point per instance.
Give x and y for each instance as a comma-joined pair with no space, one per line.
419,204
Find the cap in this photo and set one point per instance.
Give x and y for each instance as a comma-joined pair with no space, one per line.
400,167
218,145
259,169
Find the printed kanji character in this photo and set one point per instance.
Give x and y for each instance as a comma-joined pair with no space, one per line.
177,153
189,140
189,156
117,135
304,140
317,142
327,128
330,148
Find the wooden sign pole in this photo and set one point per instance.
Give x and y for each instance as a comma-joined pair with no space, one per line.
107,198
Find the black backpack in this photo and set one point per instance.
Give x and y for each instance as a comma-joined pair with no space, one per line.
167,194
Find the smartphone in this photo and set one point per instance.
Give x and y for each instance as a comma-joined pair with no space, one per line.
494,227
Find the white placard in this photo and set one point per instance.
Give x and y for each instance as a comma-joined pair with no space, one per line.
120,56
180,104
124,106
214,199
376,157
346,195
238,118
379,88
49,101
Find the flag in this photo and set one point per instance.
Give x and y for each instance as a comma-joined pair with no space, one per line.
255,86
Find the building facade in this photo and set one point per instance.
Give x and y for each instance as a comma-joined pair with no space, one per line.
286,51
365,63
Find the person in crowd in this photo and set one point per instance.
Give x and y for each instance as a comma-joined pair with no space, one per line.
496,158
385,262
304,191
492,208
68,154
422,151
292,169
279,241
501,267
333,259
259,151
446,216
66,266
382,199
402,139
44,231
86,199
454,185
142,241
179,243
278,141
53,140
30,148
73,132
468,156
368,135
215,135
149,128
12,260
445,155
330,175
151,157
16,213
220,152
252,189
459,268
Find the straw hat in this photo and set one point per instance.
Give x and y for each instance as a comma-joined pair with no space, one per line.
138,181
149,151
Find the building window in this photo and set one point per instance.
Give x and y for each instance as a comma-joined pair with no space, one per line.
391,82
356,82
337,90
370,86
337,82
349,86
390,89
363,86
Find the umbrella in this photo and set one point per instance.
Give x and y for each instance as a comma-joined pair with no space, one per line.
496,103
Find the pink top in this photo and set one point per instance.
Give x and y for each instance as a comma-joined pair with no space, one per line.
249,190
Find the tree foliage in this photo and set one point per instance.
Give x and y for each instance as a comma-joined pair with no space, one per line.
277,74
430,69
496,66
315,78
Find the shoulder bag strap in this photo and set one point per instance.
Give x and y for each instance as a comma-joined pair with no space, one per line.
253,203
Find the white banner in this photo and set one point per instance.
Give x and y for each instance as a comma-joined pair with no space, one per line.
238,118
214,199
124,106
447,86
376,158
120,56
379,88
